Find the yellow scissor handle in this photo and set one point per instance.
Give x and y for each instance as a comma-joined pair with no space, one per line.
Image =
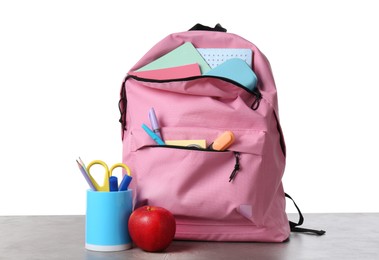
126,168
107,174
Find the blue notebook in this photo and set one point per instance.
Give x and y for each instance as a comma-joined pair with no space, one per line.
236,70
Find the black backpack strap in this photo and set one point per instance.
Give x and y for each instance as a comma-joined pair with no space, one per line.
200,27
295,226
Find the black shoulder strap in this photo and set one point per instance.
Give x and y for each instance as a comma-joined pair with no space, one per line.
200,27
295,226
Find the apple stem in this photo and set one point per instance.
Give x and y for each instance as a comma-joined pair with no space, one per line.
148,208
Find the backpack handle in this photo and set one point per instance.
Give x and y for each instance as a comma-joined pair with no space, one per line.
200,27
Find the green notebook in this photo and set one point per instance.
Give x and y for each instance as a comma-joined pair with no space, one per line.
182,55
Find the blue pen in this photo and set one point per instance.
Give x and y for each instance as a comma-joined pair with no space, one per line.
125,183
113,183
153,135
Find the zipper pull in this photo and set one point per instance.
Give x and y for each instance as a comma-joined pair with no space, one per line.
257,101
236,166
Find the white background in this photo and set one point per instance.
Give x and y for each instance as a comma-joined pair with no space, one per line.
62,64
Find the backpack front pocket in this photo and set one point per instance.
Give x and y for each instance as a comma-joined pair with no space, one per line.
214,185
183,179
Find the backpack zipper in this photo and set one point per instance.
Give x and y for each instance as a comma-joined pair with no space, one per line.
193,148
255,92
237,155
122,104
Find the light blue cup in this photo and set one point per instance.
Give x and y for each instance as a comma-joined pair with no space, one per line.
107,217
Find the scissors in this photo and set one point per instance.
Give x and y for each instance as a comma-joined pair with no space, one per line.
108,173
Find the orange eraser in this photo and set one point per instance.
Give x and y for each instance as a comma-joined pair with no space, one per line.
223,141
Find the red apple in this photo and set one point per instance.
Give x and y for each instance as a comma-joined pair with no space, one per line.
152,228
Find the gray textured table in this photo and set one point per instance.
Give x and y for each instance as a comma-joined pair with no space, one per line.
348,236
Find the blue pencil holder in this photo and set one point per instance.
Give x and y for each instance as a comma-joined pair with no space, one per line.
107,217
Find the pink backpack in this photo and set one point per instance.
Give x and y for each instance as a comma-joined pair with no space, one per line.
231,195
